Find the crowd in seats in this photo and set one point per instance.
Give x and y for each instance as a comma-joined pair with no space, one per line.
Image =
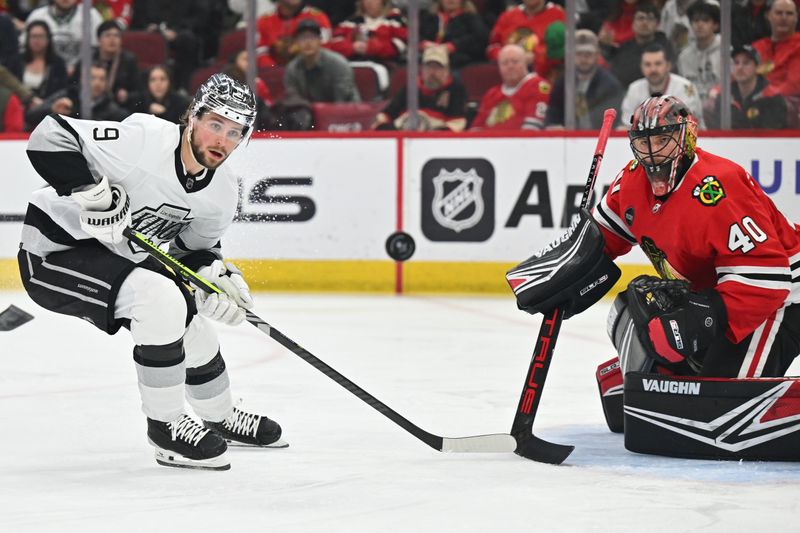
340,65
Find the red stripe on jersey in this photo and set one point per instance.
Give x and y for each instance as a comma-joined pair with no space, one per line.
759,353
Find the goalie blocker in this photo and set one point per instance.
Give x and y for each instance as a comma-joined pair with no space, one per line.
572,273
712,418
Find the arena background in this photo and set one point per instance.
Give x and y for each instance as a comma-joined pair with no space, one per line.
317,208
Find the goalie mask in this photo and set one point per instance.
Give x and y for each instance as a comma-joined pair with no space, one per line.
663,136
228,98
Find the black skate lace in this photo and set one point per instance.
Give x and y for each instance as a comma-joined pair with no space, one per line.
187,429
242,423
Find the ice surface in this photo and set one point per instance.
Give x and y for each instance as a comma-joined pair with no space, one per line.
74,456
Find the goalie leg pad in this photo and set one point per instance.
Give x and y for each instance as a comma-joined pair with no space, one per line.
713,418
573,272
609,383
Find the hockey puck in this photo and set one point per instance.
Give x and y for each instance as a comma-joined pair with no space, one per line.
13,317
400,246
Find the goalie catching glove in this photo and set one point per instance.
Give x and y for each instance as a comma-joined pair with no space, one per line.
672,322
573,272
229,305
105,211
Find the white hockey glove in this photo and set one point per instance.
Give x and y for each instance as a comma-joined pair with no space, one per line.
228,306
105,211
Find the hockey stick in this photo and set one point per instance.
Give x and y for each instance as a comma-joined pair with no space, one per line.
13,317
497,442
528,445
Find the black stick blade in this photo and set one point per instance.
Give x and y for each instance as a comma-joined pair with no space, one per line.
536,449
13,317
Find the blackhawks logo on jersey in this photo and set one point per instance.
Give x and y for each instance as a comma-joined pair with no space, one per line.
709,192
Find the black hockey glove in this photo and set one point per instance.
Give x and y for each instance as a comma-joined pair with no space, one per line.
672,322
573,272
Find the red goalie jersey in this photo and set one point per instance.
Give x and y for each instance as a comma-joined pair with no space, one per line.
717,229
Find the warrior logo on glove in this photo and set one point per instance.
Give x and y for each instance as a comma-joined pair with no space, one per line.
672,322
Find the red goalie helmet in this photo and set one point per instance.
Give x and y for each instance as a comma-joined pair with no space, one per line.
663,137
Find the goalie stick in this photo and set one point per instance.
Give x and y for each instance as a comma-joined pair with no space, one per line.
528,445
497,442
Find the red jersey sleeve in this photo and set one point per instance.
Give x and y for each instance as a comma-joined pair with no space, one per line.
607,213
749,238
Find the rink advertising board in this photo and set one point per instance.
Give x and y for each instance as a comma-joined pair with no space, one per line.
316,211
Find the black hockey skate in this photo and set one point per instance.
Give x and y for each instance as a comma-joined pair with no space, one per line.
248,429
184,443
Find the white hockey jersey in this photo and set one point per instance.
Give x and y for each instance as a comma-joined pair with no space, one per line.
142,154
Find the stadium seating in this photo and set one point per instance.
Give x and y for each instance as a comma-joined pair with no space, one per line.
367,82
273,77
202,74
231,43
345,117
479,78
149,48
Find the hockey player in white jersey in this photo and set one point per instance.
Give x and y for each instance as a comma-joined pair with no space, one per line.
169,183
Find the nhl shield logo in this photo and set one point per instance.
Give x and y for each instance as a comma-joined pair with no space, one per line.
457,199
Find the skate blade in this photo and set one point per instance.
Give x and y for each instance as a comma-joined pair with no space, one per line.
280,443
168,458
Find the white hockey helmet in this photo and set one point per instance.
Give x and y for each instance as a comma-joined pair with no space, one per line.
228,98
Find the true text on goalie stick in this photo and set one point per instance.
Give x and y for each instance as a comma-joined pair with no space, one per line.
522,427
497,442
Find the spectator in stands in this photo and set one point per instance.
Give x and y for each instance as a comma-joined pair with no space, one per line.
626,59
456,25
67,101
442,99
9,46
750,109
617,29
44,72
780,53
11,112
336,10
118,10
675,23
237,69
16,11
159,98
276,44
121,65
519,102
9,81
65,18
184,24
657,80
596,89
700,62
377,32
239,8
526,25
749,22
318,74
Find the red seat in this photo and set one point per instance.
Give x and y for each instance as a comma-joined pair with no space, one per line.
273,77
202,74
345,116
230,44
149,48
397,80
478,79
367,82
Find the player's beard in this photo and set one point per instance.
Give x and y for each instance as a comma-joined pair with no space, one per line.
202,157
